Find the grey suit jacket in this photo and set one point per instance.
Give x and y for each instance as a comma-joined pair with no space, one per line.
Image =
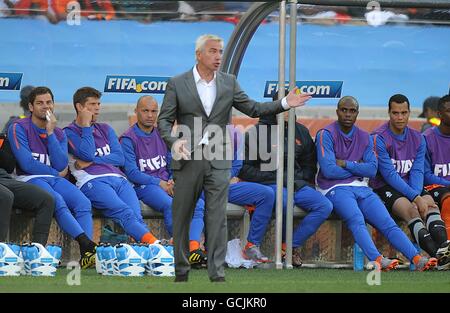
182,105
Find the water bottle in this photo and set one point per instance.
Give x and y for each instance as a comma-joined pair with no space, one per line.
109,257
2,272
169,249
15,248
26,262
121,254
135,246
56,252
161,261
138,248
144,251
33,254
99,262
412,266
1,264
358,258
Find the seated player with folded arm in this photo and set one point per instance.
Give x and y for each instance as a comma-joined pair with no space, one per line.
96,156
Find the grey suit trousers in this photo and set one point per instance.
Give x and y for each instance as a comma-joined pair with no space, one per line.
193,178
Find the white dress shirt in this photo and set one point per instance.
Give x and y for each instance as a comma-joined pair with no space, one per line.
207,91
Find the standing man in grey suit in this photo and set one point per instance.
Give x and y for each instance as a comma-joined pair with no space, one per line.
200,101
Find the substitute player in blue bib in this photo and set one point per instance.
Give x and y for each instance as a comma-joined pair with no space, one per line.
147,162
41,152
346,162
96,156
401,155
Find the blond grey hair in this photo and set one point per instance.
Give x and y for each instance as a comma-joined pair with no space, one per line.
201,41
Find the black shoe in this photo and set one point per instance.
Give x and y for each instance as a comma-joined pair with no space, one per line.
87,260
443,257
198,257
181,278
217,280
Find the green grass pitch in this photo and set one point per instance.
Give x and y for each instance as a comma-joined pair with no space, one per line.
239,280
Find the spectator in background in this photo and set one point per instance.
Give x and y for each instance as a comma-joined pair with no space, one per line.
436,16
97,10
324,15
61,8
377,17
139,11
34,8
430,112
186,11
23,7
24,94
6,8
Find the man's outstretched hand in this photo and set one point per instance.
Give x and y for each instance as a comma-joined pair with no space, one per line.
296,99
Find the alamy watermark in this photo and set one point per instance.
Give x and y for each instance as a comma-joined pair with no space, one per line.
73,13
73,278
373,278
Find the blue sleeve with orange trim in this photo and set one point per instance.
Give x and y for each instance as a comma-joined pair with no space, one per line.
387,170
57,151
429,177
83,147
116,156
22,152
327,159
416,173
368,166
131,169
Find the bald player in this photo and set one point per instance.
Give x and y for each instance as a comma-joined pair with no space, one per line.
147,162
